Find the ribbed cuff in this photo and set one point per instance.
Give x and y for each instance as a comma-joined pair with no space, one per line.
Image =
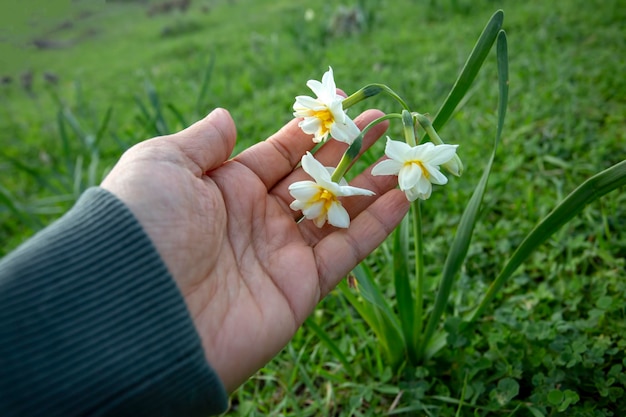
91,324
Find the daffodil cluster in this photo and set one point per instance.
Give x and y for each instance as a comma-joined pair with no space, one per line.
416,165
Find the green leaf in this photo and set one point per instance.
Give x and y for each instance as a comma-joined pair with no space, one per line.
206,79
404,296
103,126
377,313
463,237
507,389
570,397
332,346
588,192
9,201
153,97
555,397
435,344
470,69
535,411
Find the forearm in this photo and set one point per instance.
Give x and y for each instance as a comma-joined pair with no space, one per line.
91,323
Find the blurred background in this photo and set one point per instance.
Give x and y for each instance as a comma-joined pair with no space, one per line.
83,80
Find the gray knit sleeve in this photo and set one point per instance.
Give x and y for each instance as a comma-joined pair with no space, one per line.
92,324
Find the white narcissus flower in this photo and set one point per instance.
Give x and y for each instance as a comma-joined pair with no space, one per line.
417,167
324,115
318,199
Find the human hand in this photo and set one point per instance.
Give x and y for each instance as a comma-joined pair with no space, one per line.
250,274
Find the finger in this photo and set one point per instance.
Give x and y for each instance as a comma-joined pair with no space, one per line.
208,142
339,252
277,156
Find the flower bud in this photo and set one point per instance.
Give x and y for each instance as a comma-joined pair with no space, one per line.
362,94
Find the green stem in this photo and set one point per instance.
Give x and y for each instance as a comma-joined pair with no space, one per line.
372,90
419,272
342,168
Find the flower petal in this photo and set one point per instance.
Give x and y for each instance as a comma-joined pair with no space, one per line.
338,216
420,152
345,132
347,191
328,80
409,175
397,150
441,154
387,167
307,103
297,205
435,176
411,194
310,125
424,188
318,88
304,190
320,220
315,169
315,210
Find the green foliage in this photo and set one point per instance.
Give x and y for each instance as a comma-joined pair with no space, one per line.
551,342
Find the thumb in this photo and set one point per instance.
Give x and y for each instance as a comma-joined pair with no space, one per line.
210,141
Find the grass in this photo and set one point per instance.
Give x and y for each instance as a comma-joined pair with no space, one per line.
552,344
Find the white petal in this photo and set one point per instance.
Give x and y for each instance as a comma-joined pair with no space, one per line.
310,125
441,154
315,169
347,190
303,190
345,132
336,109
409,175
320,135
328,80
329,88
318,88
411,194
420,152
308,103
436,177
297,205
338,216
387,167
424,188
314,211
397,150
320,220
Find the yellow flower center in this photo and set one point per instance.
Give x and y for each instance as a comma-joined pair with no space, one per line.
328,198
326,117
421,166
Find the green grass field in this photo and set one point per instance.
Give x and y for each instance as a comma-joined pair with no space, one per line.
82,82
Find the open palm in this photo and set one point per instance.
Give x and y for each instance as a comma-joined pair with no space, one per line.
249,273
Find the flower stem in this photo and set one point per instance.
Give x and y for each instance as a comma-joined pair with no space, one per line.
342,168
419,273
